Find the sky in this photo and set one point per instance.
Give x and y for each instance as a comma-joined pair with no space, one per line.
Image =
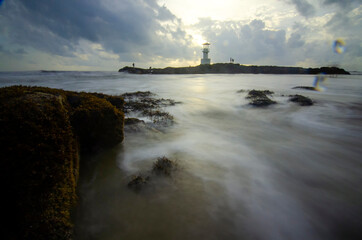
105,35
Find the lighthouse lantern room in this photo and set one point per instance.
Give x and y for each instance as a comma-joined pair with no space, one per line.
205,50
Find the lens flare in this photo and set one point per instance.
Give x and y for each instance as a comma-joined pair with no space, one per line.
319,82
339,46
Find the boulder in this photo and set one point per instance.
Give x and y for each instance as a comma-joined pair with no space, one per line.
259,98
301,100
42,133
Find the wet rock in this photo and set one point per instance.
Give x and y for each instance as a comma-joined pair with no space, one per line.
259,98
301,100
135,125
138,182
132,121
164,166
305,88
42,133
145,105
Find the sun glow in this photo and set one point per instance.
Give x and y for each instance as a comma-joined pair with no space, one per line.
198,39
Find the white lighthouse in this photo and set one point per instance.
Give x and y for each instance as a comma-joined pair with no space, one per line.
205,50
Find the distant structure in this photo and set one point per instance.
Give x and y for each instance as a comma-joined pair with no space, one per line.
205,50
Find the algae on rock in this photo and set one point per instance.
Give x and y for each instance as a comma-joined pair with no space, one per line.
41,130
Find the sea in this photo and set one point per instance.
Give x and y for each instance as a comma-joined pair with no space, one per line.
281,172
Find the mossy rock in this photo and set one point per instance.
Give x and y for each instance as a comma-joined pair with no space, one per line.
97,123
41,130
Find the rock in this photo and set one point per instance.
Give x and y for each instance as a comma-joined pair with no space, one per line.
301,100
145,105
134,125
164,166
132,121
306,88
96,122
259,98
138,182
42,133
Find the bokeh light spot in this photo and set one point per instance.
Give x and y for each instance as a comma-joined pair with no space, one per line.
339,46
319,82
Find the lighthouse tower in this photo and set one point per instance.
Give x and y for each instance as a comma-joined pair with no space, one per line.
205,50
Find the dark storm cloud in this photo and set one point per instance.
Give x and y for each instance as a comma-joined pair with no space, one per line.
122,27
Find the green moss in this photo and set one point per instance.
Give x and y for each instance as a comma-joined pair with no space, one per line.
40,131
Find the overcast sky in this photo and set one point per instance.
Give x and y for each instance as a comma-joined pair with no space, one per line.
109,34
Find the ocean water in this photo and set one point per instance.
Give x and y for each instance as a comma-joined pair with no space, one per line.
282,172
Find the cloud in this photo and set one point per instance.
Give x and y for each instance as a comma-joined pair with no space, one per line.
295,41
304,7
342,3
20,51
248,43
123,27
103,34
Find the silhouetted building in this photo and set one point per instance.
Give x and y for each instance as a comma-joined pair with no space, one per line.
205,50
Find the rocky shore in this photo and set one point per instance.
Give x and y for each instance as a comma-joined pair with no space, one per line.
43,134
232,69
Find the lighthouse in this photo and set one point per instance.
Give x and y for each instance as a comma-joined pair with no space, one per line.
205,50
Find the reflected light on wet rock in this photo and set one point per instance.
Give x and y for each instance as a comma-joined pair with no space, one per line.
339,46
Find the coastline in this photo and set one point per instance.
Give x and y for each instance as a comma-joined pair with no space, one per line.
231,68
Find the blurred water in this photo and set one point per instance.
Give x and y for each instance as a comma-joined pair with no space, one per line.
284,172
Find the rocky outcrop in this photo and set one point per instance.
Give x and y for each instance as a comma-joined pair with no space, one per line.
305,88
301,100
233,68
163,167
42,133
259,98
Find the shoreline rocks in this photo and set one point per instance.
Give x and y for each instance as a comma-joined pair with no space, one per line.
259,98
43,131
162,167
301,100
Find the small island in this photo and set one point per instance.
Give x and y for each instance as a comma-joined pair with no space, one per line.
232,68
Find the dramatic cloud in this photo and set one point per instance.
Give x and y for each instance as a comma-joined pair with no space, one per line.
125,27
248,43
108,34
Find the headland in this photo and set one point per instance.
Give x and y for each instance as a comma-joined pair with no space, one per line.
231,68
